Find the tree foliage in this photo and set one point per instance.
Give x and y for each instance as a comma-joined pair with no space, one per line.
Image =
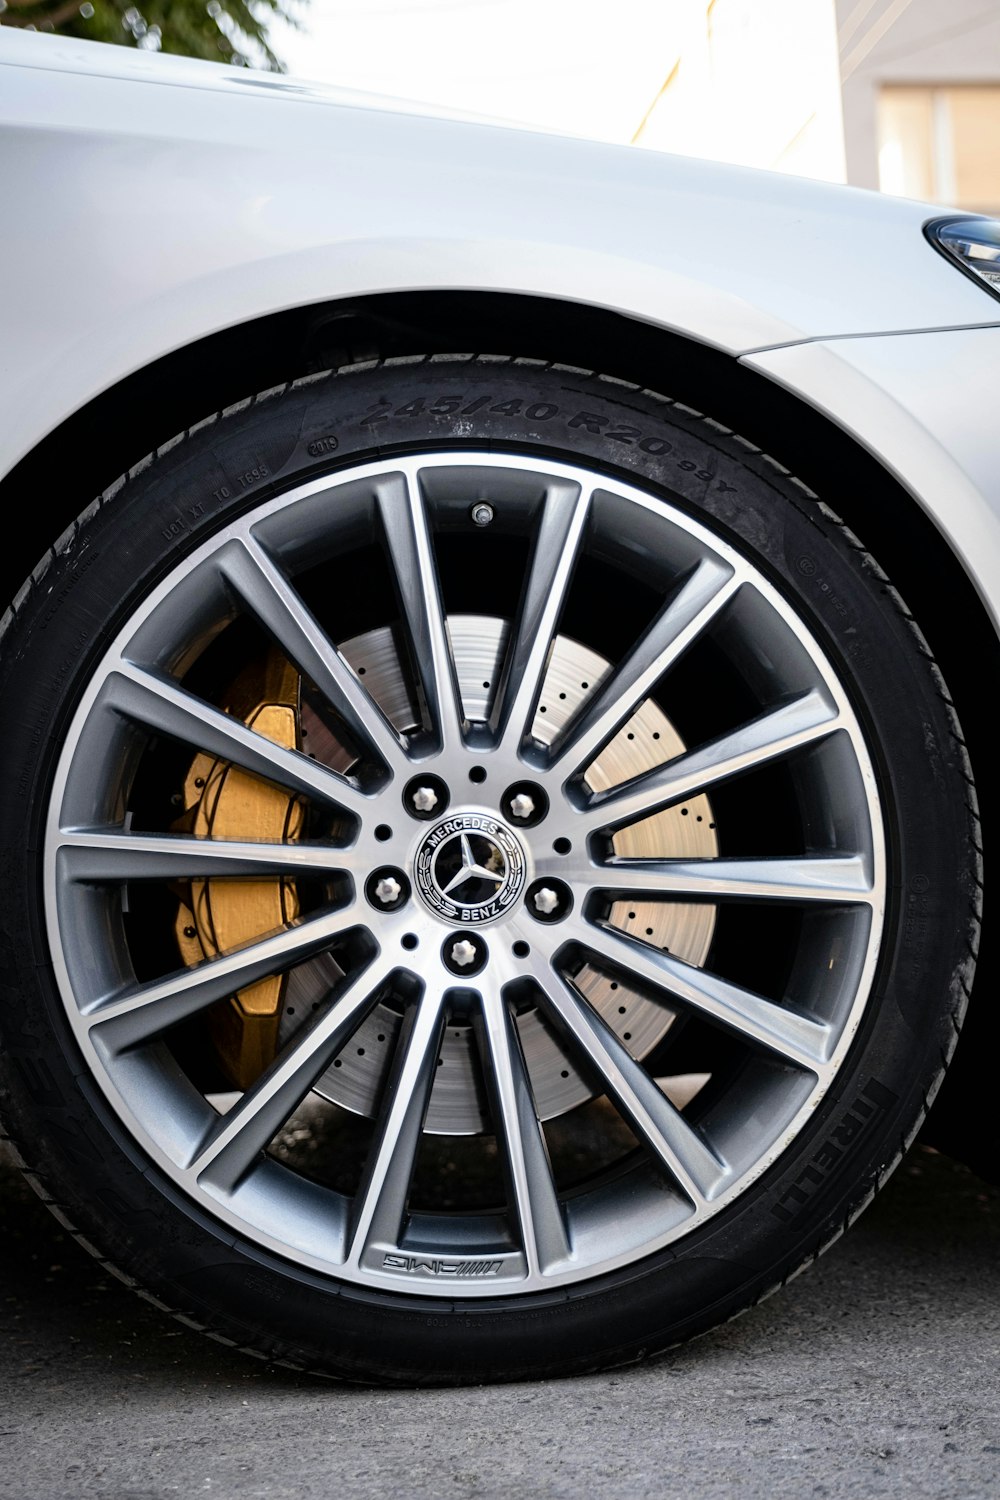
233,31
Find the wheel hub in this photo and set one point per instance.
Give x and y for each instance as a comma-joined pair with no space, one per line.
356,1077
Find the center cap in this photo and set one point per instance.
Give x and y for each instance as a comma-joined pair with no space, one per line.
470,868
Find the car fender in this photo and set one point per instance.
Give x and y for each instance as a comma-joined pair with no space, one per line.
163,201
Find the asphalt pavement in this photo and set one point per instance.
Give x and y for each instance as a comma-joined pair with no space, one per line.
876,1373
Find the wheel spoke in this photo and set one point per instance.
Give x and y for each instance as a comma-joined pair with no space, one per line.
543,1229
107,854
411,555
150,1009
803,721
380,1205
242,1134
166,708
265,590
839,880
795,1038
553,559
678,1147
680,622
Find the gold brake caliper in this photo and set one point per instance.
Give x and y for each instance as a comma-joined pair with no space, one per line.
216,916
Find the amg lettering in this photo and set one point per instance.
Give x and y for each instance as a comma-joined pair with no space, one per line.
417,1264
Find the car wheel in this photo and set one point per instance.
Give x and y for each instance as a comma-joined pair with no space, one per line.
490,873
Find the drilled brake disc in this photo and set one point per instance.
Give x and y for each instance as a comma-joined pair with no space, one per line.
457,1106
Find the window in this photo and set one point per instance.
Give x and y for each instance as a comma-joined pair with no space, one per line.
942,144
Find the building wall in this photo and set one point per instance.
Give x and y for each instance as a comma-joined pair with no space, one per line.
902,64
902,95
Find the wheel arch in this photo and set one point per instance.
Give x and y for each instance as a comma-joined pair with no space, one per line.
87,452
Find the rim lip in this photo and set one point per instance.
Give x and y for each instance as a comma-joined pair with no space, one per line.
502,1287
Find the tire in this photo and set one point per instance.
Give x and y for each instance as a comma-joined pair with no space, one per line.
425,1141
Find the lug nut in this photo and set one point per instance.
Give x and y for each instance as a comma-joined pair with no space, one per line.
481,515
464,953
388,890
525,802
426,796
549,900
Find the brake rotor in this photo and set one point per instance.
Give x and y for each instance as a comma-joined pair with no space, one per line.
458,1105
250,1028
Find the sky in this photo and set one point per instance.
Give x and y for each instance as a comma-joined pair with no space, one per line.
587,67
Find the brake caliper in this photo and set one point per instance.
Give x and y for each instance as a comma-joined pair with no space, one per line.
217,916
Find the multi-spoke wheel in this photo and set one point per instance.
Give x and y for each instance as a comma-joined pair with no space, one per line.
493,904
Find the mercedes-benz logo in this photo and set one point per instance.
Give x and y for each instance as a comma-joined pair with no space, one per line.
470,868
470,873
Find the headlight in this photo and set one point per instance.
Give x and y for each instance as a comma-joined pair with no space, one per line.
974,246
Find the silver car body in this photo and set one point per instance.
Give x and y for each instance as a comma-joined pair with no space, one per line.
138,222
